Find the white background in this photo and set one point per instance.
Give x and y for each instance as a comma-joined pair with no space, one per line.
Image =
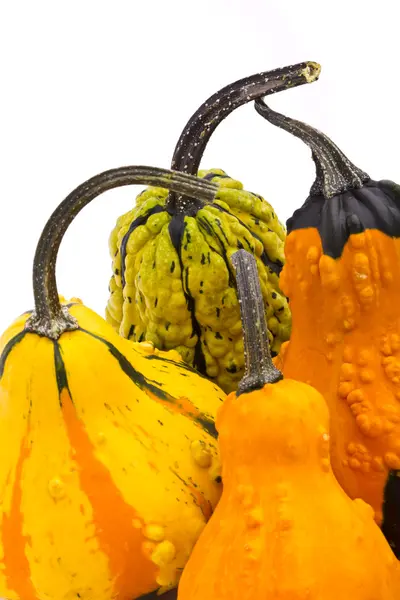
87,85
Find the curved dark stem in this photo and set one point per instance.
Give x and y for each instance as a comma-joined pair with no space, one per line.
50,319
335,174
197,132
259,368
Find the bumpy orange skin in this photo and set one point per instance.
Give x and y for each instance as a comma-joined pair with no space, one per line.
284,529
346,343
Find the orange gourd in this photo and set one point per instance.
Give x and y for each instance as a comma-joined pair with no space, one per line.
342,277
284,529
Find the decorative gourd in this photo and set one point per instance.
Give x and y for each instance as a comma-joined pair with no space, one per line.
108,457
172,280
284,529
342,276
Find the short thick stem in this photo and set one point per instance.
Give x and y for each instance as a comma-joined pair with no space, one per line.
198,130
335,173
50,319
259,368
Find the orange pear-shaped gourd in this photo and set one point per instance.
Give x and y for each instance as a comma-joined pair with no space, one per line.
284,529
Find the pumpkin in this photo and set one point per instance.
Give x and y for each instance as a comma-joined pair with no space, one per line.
342,276
284,529
108,460
172,280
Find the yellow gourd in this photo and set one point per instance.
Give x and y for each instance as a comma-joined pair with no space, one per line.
284,529
108,457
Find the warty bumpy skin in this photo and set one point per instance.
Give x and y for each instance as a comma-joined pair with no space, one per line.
173,282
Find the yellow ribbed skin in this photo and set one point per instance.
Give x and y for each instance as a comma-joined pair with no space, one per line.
180,292
108,464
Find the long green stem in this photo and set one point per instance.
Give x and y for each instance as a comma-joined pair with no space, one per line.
198,130
50,319
335,174
259,368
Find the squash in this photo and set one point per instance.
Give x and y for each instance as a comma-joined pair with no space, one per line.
284,529
342,276
172,281
108,461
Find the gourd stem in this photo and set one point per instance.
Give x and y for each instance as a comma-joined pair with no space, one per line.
50,319
198,130
335,174
259,368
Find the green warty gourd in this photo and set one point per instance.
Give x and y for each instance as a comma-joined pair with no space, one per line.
173,282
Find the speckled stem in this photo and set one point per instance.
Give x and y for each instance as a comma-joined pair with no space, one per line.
50,319
197,132
335,174
259,368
